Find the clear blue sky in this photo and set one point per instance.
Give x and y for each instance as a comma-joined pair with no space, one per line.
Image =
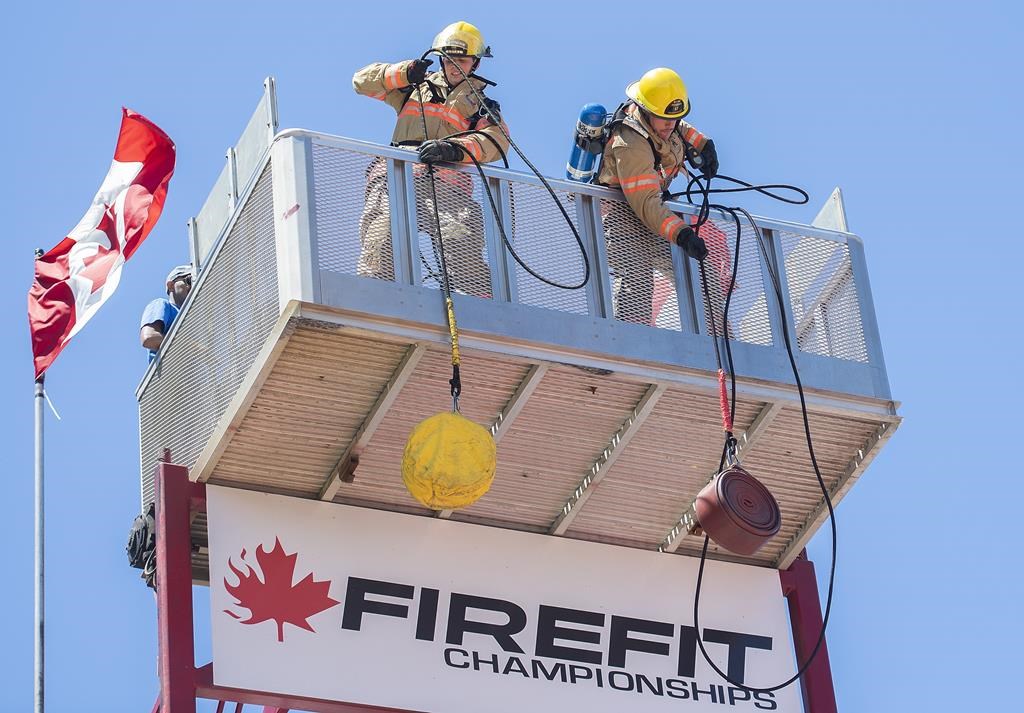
910,107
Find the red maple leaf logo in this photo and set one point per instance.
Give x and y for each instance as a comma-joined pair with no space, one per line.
274,597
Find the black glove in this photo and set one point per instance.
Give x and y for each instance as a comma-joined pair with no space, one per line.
691,243
709,160
416,72
436,150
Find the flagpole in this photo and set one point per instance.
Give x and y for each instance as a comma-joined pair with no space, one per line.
52,314
39,578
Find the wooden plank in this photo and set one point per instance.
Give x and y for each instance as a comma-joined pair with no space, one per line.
819,514
343,470
512,409
687,522
607,459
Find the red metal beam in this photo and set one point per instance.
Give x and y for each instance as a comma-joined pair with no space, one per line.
205,688
801,590
174,496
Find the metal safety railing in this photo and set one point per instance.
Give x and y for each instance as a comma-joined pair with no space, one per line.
242,162
368,198
215,339
369,216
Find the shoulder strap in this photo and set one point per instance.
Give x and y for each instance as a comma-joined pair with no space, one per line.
435,93
620,117
485,80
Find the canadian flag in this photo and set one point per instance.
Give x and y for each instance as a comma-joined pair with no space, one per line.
76,277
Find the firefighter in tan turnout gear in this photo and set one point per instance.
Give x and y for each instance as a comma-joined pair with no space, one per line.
450,107
645,151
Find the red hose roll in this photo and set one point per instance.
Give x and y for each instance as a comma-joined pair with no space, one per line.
738,512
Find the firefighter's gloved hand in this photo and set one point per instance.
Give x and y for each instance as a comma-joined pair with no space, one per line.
709,160
691,243
436,150
416,72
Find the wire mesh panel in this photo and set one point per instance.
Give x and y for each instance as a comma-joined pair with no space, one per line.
823,297
459,213
213,216
544,241
225,325
353,218
640,269
748,307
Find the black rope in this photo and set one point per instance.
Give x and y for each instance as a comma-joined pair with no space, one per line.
456,381
730,439
496,120
494,208
744,186
777,289
504,237
445,282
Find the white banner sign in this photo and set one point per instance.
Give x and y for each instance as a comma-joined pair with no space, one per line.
364,606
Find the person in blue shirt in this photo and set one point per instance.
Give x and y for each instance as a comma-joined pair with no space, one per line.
160,313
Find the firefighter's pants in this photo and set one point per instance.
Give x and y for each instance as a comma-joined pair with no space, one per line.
462,232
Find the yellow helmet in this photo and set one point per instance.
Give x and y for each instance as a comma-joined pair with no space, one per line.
461,39
661,92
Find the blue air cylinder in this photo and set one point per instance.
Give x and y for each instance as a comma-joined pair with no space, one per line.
587,143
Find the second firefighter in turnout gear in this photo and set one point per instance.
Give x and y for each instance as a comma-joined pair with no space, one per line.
445,100
647,147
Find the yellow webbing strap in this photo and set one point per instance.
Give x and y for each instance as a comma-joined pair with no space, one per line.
456,380
453,330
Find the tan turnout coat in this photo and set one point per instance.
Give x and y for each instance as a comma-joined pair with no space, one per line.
448,110
629,164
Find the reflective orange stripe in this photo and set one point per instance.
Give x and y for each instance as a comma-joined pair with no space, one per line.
485,122
438,111
393,76
693,137
378,95
644,185
642,182
638,179
452,118
472,147
669,226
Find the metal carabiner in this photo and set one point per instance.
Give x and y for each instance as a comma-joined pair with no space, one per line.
731,456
